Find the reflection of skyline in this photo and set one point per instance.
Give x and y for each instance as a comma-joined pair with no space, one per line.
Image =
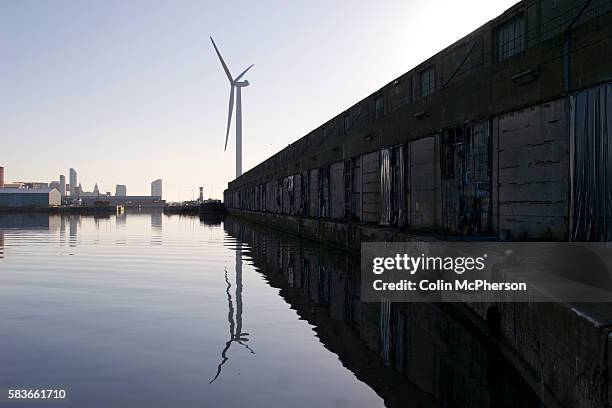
234,319
68,226
1,244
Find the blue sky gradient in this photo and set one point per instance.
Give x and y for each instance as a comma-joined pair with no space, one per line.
130,91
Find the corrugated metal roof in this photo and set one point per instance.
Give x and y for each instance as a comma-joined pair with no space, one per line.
12,190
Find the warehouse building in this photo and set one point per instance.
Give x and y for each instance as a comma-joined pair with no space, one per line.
507,132
30,197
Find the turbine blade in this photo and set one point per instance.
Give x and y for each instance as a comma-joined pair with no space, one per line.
225,68
243,72
229,116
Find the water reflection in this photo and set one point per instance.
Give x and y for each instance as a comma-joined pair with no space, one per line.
234,319
29,221
137,325
422,353
120,219
73,224
156,227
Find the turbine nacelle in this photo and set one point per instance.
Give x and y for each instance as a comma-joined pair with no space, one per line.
241,84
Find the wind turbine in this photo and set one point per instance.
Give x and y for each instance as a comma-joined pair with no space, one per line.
235,83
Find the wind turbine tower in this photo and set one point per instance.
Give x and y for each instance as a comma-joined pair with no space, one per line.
235,84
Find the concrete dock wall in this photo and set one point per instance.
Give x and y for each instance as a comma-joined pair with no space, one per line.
521,97
532,171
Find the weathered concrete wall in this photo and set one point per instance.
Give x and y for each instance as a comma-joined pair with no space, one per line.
297,193
336,188
356,188
532,172
560,349
341,235
424,182
314,193
370,172
286,201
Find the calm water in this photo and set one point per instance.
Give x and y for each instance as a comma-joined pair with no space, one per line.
158,311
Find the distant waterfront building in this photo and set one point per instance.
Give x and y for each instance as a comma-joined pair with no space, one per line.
156,188
32,184
55,184
30,197
73,183
201,194
14,185
120,190
1,177
127,201
62,182
82,193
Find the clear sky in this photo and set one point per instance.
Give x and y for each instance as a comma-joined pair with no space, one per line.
129,91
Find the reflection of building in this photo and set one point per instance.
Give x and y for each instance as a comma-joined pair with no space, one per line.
73,183
156,219
120,190
156,188
30,197
27,221
121,218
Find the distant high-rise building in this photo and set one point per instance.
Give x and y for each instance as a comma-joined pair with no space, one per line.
79,190
96,190
201,194
156,188
62,186
73,183
120,190
55,184
1,177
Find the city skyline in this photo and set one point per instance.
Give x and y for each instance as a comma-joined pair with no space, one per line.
117,85
74,187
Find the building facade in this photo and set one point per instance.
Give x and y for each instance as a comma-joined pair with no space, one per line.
73,183
30,197
62,182
156,188
496,135
120,190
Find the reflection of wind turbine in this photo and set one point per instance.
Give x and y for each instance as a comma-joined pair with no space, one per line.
234,83
235,326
